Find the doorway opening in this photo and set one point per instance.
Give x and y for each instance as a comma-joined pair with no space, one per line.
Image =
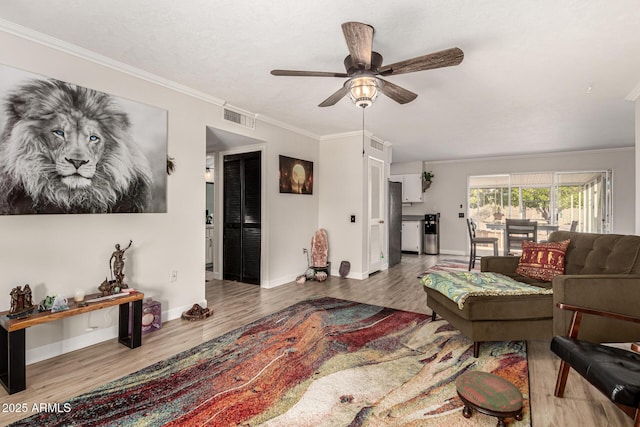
237,238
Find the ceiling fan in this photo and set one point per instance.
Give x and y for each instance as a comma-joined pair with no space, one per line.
363,66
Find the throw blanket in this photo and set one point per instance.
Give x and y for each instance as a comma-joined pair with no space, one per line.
458,286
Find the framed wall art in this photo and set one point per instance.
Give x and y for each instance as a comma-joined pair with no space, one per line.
296,176
66,148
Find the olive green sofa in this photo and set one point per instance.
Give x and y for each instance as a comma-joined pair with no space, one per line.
601,271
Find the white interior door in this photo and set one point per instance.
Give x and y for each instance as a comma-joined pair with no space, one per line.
376,214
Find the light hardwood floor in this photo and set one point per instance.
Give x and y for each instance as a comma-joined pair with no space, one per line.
235,304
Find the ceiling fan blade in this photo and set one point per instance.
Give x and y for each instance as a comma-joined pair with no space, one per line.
307,73
395,92
359,38
444,58
337,96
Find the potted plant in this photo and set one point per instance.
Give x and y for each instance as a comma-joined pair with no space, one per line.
497,214
426,180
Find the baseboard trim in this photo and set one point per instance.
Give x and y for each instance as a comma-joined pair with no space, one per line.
96,336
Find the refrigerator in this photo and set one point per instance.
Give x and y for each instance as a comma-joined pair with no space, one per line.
395,223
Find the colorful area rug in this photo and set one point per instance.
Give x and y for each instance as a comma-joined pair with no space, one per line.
322,362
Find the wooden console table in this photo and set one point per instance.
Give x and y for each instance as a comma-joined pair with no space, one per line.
12,333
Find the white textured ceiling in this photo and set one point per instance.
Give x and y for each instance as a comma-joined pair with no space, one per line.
522,87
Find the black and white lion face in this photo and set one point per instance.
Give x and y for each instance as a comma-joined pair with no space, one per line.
75,147
70,147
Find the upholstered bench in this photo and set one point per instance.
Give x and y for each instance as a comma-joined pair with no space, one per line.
489,306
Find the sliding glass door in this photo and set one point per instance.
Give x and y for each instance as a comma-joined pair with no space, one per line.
556,200
583,198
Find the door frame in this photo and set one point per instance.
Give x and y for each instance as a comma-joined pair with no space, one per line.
376,225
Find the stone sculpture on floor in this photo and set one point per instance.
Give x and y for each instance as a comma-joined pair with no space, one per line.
318,266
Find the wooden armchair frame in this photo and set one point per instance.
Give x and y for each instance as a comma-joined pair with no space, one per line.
576,319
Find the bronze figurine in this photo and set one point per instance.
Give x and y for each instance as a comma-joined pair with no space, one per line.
21,301
118,265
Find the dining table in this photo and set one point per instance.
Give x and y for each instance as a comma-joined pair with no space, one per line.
500,225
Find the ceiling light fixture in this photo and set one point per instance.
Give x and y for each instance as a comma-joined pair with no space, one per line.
363,90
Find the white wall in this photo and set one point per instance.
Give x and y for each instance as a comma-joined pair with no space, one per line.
449,188
341,196
291,219
60,253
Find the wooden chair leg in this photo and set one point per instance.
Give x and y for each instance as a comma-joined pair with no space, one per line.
433,315
476,349
563,373
471,256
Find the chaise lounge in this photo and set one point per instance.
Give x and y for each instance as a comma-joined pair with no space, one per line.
601,271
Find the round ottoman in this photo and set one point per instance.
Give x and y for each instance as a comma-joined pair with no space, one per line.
489,394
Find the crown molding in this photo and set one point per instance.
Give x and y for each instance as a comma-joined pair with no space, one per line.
357,133
530,155
286,126
82,53
341,135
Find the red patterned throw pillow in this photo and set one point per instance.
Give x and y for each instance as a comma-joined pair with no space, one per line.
542,261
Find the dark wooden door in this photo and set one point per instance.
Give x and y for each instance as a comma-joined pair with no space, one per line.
242,217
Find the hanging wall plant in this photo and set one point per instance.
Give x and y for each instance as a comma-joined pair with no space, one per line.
427,177
171,165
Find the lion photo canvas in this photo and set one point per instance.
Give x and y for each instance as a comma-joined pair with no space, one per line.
65,148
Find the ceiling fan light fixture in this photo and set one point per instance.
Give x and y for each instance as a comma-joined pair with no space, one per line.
363,90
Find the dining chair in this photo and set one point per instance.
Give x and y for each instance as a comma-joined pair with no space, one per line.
518,231
471,226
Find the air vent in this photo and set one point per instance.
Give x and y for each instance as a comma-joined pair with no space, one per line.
376,145
237,117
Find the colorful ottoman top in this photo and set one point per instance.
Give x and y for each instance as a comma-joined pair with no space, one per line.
460,285
489,391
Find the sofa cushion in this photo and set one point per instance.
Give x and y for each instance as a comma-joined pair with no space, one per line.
590,253
542,261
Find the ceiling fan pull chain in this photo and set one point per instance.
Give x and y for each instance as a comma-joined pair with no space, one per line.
363,132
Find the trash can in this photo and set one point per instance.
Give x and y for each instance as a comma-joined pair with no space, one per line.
431,238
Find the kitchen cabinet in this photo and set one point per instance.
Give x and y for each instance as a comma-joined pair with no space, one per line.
412,236
411,187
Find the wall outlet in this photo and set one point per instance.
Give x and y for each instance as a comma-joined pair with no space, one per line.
173,277
460,214
353,218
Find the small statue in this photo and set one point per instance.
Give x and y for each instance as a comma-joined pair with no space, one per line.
106,287
28,297
15,299
21,301
118,265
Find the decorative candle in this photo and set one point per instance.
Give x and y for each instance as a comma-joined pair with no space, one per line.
78,296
